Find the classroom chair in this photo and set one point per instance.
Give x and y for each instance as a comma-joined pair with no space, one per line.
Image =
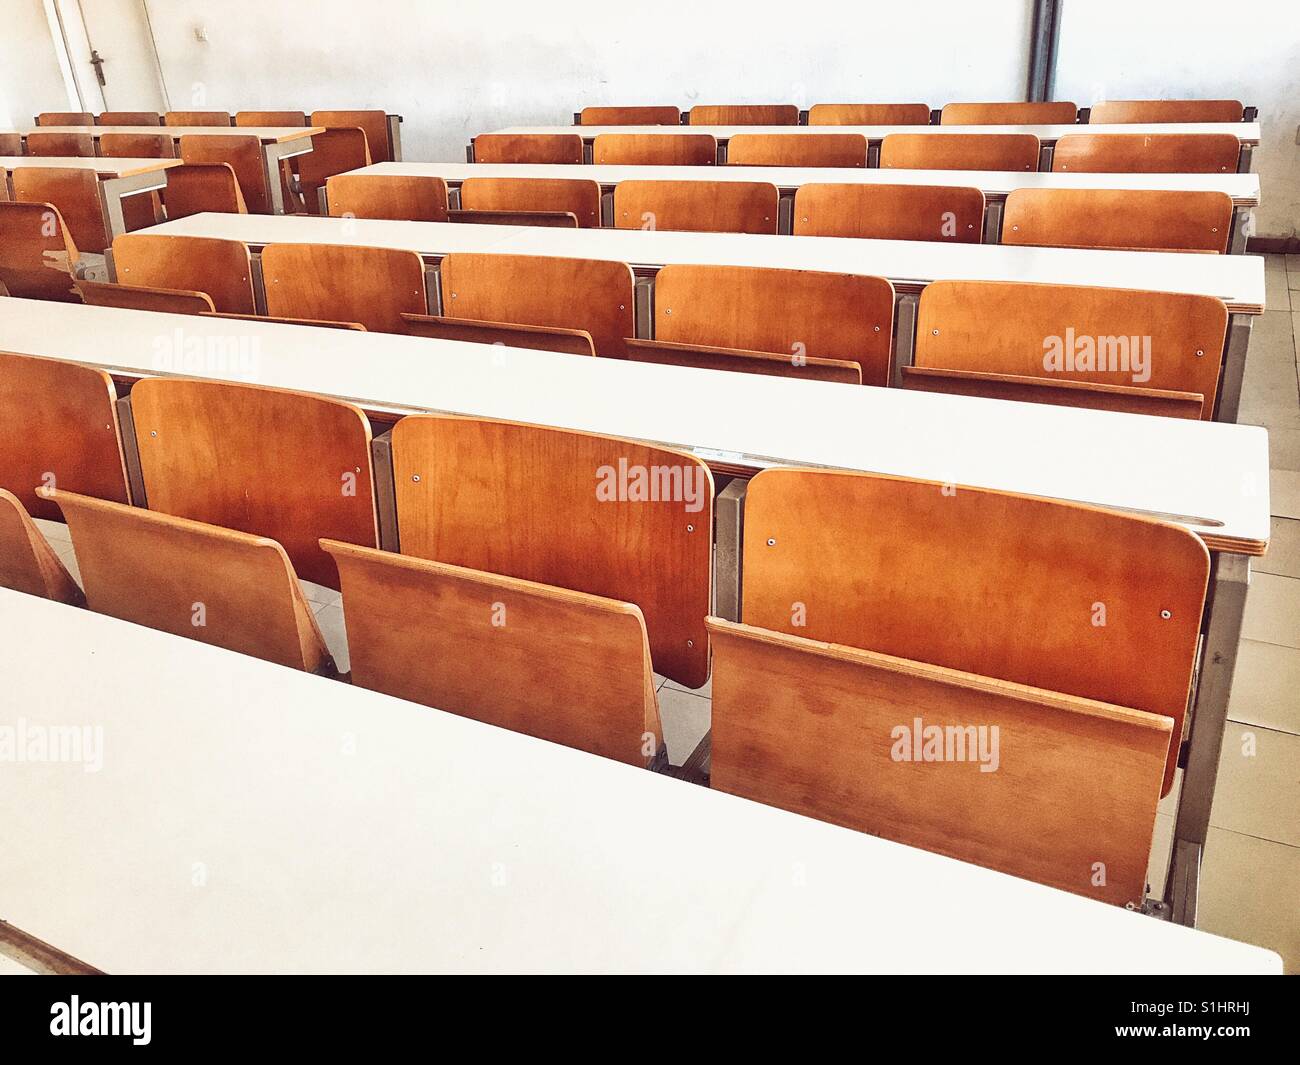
61,145
944,213
196,118
697,206
869,115
549,662
336,151
270,119
960,151
242,153
65,118
595,514
744,115
137,145
58,428
1071,345
528,148
630,116
806,149
1120,112
1147,153
1134,219
141,298
540,338
655,149
739,360
222,269
373,123
76,195
129,118
402,197
195,188
270,462
593,295
38,257
27,562
338,282
794,314
1038,113
579,197
214,585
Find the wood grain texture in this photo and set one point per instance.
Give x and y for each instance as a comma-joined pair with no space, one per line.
403,197
1135,219
129,118
631,116
65,118
243,154
142,298
548,662
221,268
75,193
739,360
655,149
196,118
785,312
528,148
540,338
1146,153
373,123
1119,112
58,427
744,115
1013,327
525,501
890,212
960,151
27,562
137,145
199,581
869,115
81,145
336,151
37,253
819,729
344,283
697,206
578,196
265,461
1001,585
196,188
808,149
10,144
317,323
1038,113
587,294
270,119
544,219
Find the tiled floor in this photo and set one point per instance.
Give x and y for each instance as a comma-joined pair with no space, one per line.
1250,887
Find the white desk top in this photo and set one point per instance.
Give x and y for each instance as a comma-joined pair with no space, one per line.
1236,279
442,844
995,184
1210,475
266,134
105,167
1246,132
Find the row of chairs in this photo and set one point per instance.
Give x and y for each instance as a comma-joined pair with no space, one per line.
555,632
1080,153
957,114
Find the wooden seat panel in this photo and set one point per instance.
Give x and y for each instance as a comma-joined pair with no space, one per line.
1120,112
807,149
1038,113
221,268
577,196
338,282
27,562
196,118
65,118
373,123
38,256
80,145
631,116
566,341
960,151
1146,219
744,115
528,148
243,154
697,206
141,298
1146,153
336,151
738,360
75,193
129,118
402,197
869,115
196,188
655,149
890,212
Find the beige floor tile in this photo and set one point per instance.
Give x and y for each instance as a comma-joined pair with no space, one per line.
1258,784
706,691
1276,297
1266,688
1169,804
1272,342
319,595
660,681
1283,556
1284,493
330,620
63,548
1293,271
1273,610
52,530
1250,892
1284,449
1158,866
685,718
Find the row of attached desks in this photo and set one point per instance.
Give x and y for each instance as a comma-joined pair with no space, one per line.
1209,476
996,185
910,265
119,179
1247,134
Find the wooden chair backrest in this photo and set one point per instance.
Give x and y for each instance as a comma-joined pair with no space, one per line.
806,149
58,428
346,283
589,294
1061,596
869,115
945,213
336,151
744,115
1120,112
547,219
697,206
1038,113
191,579
373,123
65,118
631,116
37,253
266,461
1147,153
75,193
545,661
243,153
960,151
137,145
1074,333
1147,219
402,197
195,188
270,118
143,298
902,750
789,313
196,118
129,118
27,562
221,268
539,338
578,196
595,514
739,360
81,145
528,148
655,149
10,144
318,323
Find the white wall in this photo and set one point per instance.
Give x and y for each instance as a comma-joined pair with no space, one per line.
30,79
1123,49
